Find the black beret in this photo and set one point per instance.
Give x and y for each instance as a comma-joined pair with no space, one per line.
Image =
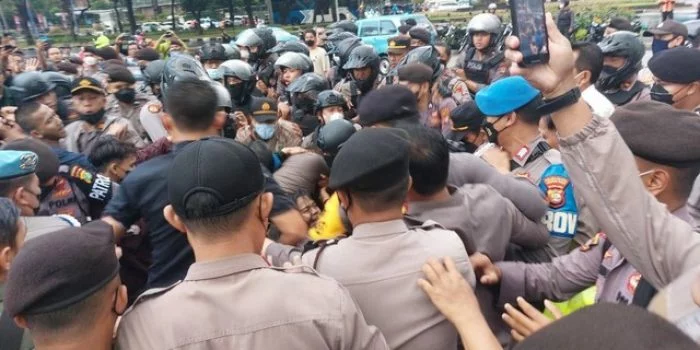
147,54
54,271
117,73
415,73
48,161
419,33
386,104
403,29
371,160
659,133
615,326
222,167
411,22
678,65
107,53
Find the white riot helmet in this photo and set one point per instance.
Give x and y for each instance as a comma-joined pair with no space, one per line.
485,22
492,6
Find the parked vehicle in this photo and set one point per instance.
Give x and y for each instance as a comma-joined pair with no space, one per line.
148,27
445,6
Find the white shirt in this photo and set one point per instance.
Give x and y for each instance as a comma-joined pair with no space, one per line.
320,59
600,104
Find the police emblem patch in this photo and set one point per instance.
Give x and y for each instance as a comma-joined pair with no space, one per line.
555,190
633,282
28,160
154,108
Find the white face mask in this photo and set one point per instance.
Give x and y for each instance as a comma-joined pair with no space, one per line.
90,61
336,116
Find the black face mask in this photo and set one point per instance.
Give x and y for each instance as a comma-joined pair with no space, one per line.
660,94
237,92
310,42
93,118
127,95
491,132
304,104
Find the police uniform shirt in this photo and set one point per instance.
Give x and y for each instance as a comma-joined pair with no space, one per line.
130,112
544,168
80,137
149,117
79,193
243,303
143,194
380,263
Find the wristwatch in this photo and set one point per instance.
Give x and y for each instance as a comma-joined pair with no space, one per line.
550,106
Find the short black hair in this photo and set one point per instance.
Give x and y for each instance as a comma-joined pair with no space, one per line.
444,45
391,197
310,31
529,113
199,207
620,23
590,58
24,115
9,223
429,159
685,178
107,149
8,186
192,104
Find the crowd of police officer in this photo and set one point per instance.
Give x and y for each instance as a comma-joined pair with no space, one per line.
314,194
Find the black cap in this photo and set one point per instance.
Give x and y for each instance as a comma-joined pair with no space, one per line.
678,65
398,44
415,73
421,34
120,74
386,104
47,167
86,83
224,168
659,133
668,26
147,54
467,116
54,271
264,109
371,160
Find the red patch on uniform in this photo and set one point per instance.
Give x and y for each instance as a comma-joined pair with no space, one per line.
633,282
459,88
555,190
522,153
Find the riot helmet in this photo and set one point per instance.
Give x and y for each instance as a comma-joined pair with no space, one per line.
620,44
29,86
239,79
364,56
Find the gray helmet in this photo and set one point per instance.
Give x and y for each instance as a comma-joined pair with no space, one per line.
223,98
215,52
28,86
484,22
239,93
333,40
362,56
249,38
62,83
620,44
232,52
153,73
333,135
343,26
426,55
330,98
181,66
268,38
308,82
295,60
290,46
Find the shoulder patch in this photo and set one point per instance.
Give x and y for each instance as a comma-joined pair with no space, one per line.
155,108
592,242
555,186
81,174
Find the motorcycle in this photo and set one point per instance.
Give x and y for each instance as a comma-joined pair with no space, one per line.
596,31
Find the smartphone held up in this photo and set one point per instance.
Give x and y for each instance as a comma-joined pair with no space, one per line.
530,27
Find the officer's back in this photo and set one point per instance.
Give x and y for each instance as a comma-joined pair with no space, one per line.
231,297
382,259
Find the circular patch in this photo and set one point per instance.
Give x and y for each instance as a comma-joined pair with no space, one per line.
154,108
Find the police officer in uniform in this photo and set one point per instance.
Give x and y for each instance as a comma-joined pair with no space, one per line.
370,175
466,134
62,84
304,93
677,78
257,42
512,117
313,312
397,48
123,101
362,74
622,60
239,79
482,62
212,56
290,66
330,105
341,53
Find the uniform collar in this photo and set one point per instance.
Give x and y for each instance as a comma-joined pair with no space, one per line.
683,214
418,208
523,154
377,229
224,267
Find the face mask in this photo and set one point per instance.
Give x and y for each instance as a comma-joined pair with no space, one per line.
90,61
660,94
609,79
93,118
214,74
336,116
310,42
265,131
658,45
304,104
127,95
237,93
253,57
491,132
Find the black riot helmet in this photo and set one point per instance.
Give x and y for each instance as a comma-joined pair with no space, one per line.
333,40
223,97
332,136
232,52
330,98
263,38
344,26
345,47
283,47
295,60
426,55
178,67
242,71
212,52
61,82
361,57
305,89
620,44
28,86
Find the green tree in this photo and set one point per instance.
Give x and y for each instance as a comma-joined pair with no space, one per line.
23,14
195,7
130,14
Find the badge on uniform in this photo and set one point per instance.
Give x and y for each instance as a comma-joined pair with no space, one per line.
555,190
154,108
83,175
592,242
522,154
633,282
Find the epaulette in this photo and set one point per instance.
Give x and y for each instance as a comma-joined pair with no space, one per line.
322,245
152,293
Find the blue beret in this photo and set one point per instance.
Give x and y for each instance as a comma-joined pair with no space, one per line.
17,163
505,96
